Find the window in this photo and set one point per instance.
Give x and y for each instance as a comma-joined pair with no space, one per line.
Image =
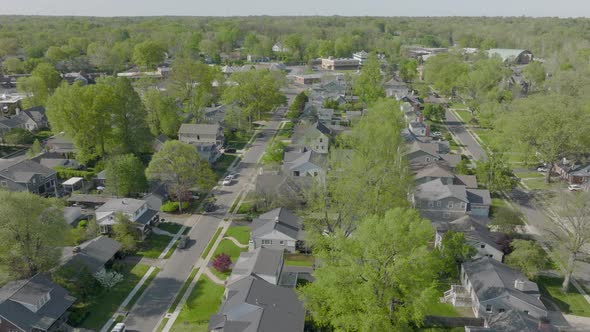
489,308
446,215
282,243
526,312
430,204
450,205
266,242
438,204
482,246
3,183
295,173
501,310
198,137
427,158
321,140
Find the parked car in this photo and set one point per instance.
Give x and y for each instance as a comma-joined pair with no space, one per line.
227,180
542,169
183,241
210,207
437,134
574,187
119,327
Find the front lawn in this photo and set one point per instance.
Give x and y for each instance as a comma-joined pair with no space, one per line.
539,184
464,115
299,260
229,248
170,227
246,207
222,164
524,175
101,307
240,233
571,302
486,136
153,245
203,301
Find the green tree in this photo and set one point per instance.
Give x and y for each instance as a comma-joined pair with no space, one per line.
274,153
495,173
148,54
13,65
380,279
30,238
408,69
535,73
527,256
369,85
191,82
125,232
256,91
18,136
35,149
125,175
445,71
434,112
453,251
179,167
544,132
42,82
298,104
162,117
48,74
506,220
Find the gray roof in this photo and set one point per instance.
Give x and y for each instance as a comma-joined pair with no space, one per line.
253,305
93,253
516,321
491,279
23,171
436,190
146,217
469,181
54,162
473,229
202,129
10,123
32,291
296,159
37,114
279,219
72,213
437,170
505,53
260,262
125,205
479,196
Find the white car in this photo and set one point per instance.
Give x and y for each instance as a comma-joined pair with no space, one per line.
227,180
574,187
119,327
542,169
437,134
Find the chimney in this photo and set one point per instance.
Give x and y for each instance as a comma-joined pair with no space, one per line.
427,132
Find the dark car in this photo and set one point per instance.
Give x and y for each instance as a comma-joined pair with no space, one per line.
210,207
183,241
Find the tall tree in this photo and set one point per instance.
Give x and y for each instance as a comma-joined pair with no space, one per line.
408,69
527,256
445,71
191,81
569,230
179,166
43,81
256,91
454,251
551,135
125,232
125,175
162,117
380,279
148,54
32,229
495,173
369,85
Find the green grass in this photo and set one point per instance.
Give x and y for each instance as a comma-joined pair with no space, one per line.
118,319
457,105
142,289
485,135
571,302
524,175
222,164
4,275
240,233
441,309
153,245
183,290
540,184
299,260
43,134
246,207
228,247
208,248
203,301
464,115
236,201
103,306
162,324
171,251
170,227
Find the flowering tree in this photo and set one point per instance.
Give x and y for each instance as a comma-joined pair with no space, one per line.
108,279
221,262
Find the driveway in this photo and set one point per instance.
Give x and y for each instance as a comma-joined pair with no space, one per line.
157,298
457,127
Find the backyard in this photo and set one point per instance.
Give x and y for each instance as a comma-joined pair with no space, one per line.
203,301
571,302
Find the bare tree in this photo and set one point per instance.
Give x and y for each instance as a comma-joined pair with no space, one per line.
570,228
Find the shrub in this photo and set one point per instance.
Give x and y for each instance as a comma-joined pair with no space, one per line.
221,262
171,206
66,173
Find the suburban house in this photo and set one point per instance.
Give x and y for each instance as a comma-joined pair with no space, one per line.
32,119
283,189
207,138
61,144
316,137
573,172
27,175
476,233
135,209
421,154
308,79
451,201
325,115
279,48
253,304
261,262
419,128
8,124
442,171
491,288
340,64
361,56
34,305
518,57
93,254
303,163
277,229
513,321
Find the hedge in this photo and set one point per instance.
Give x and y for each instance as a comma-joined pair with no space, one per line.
66,173
171,206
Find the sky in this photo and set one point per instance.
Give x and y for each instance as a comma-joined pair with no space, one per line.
561,8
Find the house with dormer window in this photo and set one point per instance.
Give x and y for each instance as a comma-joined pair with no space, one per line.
136,210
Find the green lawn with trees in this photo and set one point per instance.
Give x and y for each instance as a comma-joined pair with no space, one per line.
203,301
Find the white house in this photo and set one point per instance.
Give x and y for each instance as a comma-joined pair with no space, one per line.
135,209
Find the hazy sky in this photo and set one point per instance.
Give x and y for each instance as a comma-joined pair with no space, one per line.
562,8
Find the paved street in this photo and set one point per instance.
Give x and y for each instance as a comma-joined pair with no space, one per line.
160,294
457,127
